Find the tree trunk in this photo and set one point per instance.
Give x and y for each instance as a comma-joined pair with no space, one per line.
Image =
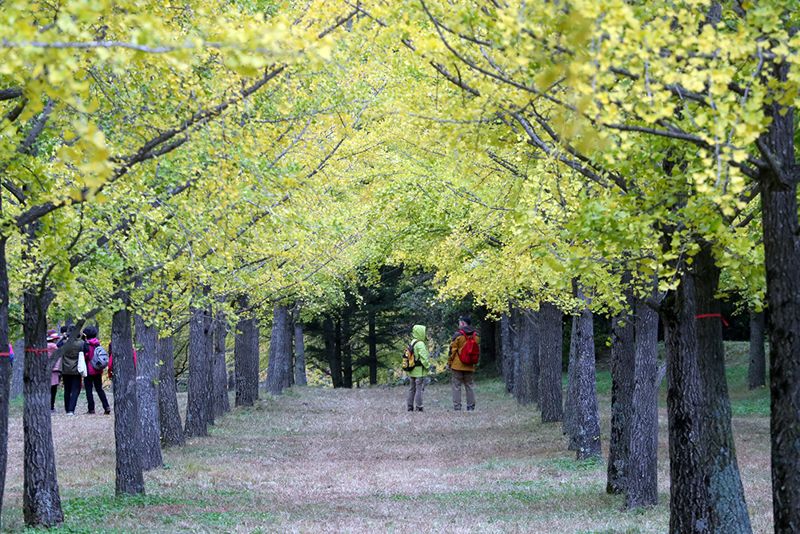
527,371
299,355
507,351
372,341
197,404
586,416
782,257
221,403
208,391
331,336
246,361
147,394
623,358
757,372
280,350
569,426
689,498
641,470
168,412
550,348
728,507
5,368
129,476
347,349
41,501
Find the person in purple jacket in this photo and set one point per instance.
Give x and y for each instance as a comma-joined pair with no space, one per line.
94,378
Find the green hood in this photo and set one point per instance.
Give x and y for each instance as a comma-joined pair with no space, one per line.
418,332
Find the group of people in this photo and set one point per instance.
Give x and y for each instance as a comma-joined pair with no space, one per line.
461,373
74,369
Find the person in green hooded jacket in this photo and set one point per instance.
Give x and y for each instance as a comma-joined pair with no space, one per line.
417,374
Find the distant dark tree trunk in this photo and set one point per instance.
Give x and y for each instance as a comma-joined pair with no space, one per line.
347,349
129,476
299,350
779,219
221,403
372,341
689,499
5,368
623,358
488,340
526,373
506,333
550,348
569,426
586,417
197,403
246,360
41,502
757,372
280,351
168,412
18,371
147,394
641,470
332,337
729,510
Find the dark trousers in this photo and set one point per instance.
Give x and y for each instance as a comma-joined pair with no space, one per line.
53,391
72,388
95,381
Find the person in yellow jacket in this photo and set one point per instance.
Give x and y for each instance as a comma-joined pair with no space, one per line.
462,374
417,374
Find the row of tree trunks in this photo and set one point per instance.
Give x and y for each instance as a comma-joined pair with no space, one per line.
246,361
279,367
147,393
5,368
198,402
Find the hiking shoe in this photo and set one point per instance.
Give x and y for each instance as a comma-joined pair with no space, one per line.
107,411
70,413
90,412
410,408
419,409
470,408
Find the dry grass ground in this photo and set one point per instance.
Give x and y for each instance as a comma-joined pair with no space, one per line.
322,460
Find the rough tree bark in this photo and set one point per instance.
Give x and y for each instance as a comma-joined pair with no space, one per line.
147,394
300,355
550,348
246,361
641,470
209,381
129,475
782,256
507,352
41,501
220,370
526,373
757,371
623,354
689,499
197,404
5,368
729,510
280,351
168,412
586,416
569,426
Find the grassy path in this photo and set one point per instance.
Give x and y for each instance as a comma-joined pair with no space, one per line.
322,460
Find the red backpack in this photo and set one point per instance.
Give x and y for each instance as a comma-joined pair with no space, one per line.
470,352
